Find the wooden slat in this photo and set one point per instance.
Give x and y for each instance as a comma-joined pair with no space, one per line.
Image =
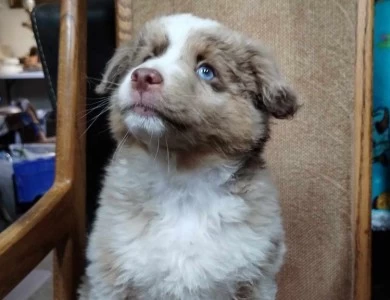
69,253
58,219
362,152
24,244
124,25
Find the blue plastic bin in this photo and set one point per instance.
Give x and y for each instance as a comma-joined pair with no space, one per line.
33,178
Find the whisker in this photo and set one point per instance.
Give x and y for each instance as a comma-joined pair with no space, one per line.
158,148
89,110
151,137
120,145
94,120
166,143
97,104
99,80
98,98
103,131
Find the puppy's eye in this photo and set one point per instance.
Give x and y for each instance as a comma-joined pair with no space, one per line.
205,72
147,58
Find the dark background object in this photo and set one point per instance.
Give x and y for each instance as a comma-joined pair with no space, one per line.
380,265
101,45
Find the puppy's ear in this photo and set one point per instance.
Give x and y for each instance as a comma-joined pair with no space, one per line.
273,94
279,100
116,67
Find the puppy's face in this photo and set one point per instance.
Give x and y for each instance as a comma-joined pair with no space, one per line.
195,84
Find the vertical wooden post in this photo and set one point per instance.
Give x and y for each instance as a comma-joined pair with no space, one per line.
69,253
124,22
362,152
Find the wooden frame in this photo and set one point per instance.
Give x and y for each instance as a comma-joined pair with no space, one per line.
362,151
57,220
123,11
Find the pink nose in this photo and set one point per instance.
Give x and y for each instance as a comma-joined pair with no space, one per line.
143,78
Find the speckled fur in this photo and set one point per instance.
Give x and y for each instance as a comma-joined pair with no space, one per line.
188,210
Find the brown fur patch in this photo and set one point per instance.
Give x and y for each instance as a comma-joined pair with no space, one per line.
153,42
244,292
197,158
245,68
150,42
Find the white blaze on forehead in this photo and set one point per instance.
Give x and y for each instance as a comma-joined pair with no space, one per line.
178,29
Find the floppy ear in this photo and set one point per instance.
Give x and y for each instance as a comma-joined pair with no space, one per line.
273,94
116,68
279,100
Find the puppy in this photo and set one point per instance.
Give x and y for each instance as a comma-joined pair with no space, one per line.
187,210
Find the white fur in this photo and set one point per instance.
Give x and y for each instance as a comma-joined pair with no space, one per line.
196,245
144,126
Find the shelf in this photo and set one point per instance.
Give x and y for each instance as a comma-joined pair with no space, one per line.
22,75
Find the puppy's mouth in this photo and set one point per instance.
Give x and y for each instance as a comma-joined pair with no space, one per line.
149,111
145,110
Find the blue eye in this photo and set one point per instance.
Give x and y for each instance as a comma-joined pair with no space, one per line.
205,72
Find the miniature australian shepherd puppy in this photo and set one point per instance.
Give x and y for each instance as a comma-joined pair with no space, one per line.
188,210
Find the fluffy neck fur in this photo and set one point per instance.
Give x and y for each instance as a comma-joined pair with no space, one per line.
201,162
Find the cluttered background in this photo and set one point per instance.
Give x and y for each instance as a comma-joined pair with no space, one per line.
27,121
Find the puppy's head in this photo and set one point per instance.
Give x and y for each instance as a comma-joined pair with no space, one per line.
196,85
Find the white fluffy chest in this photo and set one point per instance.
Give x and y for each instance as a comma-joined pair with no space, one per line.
194,243
195,237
